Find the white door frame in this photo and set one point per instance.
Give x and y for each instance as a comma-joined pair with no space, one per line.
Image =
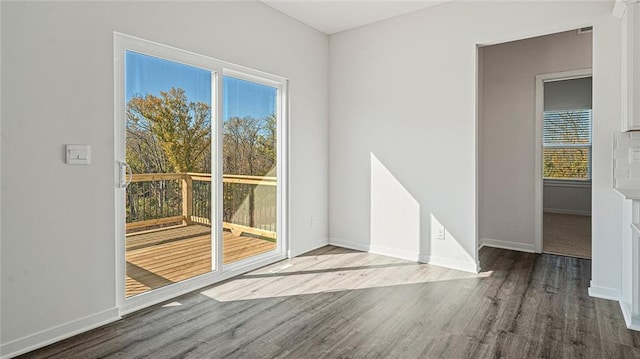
539,182
219,272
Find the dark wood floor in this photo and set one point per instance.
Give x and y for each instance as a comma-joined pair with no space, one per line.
337,303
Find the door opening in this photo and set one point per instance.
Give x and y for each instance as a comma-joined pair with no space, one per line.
565,122
513,80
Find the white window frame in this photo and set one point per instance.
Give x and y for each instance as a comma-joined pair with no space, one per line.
571,182
220,272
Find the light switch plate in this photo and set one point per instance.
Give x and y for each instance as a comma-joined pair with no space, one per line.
78,154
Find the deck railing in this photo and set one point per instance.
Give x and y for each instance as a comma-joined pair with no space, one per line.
160,199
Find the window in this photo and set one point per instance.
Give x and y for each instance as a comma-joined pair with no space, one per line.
567,145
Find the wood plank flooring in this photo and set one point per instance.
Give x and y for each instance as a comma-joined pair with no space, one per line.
338,303
159,258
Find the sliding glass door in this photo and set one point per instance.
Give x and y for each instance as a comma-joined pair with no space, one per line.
200,192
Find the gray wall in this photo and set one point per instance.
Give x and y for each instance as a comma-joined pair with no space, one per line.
568,199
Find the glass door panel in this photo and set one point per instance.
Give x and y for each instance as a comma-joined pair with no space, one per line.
249,161
168,149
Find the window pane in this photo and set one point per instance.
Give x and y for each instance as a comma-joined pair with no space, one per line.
561,127
249,163
566,163
567,144
168,146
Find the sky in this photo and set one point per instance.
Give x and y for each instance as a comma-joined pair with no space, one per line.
150,75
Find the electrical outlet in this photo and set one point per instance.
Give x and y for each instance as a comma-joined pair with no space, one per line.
440,233
313,221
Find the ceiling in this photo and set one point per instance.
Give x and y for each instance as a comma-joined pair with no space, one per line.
331,16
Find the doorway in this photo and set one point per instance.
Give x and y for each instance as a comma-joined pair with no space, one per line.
564,118
200,157
511,78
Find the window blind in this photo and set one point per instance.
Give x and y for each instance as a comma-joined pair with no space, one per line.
567,144
574,94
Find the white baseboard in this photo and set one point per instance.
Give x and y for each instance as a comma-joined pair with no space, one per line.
55,334
567,211
514,246
632,321
349,244
372,248
295,253
604,292
464,266
396,253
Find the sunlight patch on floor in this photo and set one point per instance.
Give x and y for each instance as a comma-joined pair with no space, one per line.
331,273
172,304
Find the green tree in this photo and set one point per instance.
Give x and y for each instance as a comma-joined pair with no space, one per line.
168,133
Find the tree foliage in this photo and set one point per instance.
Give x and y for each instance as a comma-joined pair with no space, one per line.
249,146
168,133
566,163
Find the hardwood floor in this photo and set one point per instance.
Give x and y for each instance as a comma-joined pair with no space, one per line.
338,303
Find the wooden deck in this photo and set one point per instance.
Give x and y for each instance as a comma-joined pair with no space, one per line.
159,258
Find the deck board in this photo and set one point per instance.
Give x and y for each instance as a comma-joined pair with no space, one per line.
159,258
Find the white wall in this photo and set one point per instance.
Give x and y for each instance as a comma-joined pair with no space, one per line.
58,237
607,205
404,91
508,145
1,321
629,258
